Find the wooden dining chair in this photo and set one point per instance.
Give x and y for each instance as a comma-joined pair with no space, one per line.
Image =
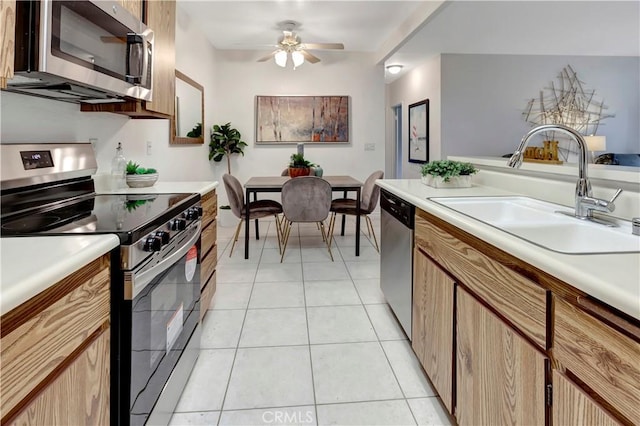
305,199
368,203
257,209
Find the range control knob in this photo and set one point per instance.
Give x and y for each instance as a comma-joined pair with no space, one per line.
191,214
173,225
164,236
152,244
182,224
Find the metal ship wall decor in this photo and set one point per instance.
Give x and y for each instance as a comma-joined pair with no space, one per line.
567,102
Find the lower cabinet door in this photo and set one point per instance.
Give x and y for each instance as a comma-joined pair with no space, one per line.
500,377
79,395
573,407
432,324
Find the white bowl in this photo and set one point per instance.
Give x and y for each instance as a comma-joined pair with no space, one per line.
141,181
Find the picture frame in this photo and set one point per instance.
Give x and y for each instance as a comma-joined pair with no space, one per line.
302,119
419,132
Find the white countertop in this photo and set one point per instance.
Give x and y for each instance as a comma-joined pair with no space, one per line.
611,278
102,187
30,265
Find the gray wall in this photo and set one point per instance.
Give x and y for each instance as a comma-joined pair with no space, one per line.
483,97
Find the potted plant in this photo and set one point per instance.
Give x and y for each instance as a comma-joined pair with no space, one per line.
298,166
448,174
225,141
140,177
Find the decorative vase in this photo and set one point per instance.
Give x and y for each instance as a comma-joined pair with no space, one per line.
299,171
454,182
318,171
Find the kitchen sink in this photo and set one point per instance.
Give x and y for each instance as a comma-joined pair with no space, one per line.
541,223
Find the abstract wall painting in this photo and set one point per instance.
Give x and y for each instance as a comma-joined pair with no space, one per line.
307,119
419,132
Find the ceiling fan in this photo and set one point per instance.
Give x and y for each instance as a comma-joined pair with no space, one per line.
290,46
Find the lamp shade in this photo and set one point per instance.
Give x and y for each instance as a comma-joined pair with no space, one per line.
281,58
596,143
298,58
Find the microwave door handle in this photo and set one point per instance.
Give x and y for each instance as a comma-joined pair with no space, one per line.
135,49
136,282
145,60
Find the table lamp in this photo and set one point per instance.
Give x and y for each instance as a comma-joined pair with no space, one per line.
595,143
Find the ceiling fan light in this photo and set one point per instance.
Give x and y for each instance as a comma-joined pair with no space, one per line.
298,59
394,69
281,58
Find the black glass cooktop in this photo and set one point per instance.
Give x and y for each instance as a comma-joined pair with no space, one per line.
129,216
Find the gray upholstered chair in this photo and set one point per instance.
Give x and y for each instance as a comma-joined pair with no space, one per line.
305,199
368,202
257,209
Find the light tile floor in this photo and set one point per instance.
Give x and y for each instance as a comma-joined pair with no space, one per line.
307,341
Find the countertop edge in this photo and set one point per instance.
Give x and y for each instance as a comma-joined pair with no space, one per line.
20,284
579,271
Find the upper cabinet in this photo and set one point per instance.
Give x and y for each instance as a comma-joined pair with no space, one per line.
133,6
7,35
160,16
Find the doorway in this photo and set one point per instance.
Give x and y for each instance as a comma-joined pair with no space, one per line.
397,141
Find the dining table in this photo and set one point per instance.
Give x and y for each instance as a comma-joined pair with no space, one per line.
255,185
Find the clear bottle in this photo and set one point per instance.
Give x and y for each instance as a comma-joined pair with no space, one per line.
118,169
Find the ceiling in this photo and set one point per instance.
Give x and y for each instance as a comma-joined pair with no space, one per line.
409,32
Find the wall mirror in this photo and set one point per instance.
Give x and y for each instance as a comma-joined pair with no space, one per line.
188,122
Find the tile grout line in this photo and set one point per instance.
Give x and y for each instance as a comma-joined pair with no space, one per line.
235,354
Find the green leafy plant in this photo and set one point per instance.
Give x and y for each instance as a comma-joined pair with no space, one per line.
135,169
196,132
225,141
447,169
298,161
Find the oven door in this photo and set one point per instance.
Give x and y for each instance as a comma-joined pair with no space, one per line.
164,314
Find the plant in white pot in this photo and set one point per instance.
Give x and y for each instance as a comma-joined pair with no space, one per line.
448,174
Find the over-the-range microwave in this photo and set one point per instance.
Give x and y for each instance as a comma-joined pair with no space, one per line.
81,51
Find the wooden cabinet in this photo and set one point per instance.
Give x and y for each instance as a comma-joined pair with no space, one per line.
132,6
54,352
432,324
529,348
161,18
7,38
604,359
209,251
500,377
574,407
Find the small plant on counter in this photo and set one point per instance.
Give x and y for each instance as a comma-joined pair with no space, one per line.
135,169
446,169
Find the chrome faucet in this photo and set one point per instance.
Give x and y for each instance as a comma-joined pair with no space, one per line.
585,203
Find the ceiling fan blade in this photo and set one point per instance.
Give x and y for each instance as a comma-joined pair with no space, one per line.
338,46
309,57
269,56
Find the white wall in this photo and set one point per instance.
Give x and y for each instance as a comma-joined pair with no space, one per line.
31,119
422,82
476,101
239,79
483,97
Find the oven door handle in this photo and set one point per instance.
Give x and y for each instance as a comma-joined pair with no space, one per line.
134,282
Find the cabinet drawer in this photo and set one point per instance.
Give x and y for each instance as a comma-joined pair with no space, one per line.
603,358
79,396
513,296
209,203
39,335
207,295
208,265
209,235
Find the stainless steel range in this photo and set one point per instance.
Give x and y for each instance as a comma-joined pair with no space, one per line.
47,189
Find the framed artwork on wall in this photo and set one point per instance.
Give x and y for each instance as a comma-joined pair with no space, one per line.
419,132
308,119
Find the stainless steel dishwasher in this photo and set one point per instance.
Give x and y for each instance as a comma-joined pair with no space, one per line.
396,256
